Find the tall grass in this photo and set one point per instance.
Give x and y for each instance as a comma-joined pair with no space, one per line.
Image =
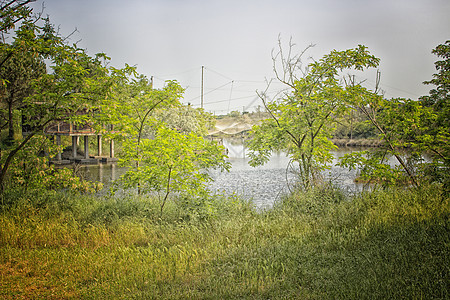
318,244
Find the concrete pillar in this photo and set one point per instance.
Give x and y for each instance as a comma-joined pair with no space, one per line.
99,145
111,144
111,148
74,146
86,146
58,143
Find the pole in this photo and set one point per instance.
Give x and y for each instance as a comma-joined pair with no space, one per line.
58,142
86,146
202,87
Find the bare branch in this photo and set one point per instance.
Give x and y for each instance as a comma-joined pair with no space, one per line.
290,64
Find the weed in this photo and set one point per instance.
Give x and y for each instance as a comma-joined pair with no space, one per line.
316,244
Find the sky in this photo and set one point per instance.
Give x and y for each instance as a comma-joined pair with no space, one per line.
233,40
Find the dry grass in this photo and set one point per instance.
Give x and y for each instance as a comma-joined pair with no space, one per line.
314,245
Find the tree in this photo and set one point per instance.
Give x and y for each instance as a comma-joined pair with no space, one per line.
17,73
303,118
173,162
422,128
76,81
436,139
186,119
130,112
397,122
165,152
31,171
12,12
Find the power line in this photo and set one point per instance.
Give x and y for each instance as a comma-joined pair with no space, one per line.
220,74
231,99
212,90
251,103
387,86
221,101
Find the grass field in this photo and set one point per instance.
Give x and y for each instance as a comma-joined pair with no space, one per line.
318,244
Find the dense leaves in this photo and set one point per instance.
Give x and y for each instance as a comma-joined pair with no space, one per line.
162,140
304,118
43,80
172,162
436,138
17,73
46,80
416,133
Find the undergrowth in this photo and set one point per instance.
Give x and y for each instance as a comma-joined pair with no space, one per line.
315,244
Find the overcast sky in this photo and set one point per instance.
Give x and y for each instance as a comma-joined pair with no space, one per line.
233,40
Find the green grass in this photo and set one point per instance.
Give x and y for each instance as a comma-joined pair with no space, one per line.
317,244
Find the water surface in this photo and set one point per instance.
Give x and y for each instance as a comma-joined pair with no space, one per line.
263,185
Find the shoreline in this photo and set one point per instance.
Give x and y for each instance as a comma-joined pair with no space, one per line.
357,142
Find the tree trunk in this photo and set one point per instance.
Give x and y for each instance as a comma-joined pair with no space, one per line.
11,123
167,192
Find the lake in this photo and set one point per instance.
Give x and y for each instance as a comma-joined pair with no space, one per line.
263,185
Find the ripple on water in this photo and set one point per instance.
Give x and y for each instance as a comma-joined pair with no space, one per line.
262,186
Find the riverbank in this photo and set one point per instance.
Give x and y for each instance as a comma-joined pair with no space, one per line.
228,126
313,245
364,143
239,126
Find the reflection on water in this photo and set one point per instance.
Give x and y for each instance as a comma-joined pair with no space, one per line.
104,173
263,185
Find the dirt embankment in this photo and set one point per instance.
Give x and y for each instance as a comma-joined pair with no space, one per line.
230,126
357,142
236,125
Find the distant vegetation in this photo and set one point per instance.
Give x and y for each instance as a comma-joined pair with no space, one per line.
164,236
323,103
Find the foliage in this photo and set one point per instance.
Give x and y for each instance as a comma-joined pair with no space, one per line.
436,139
13,12
17,74
304,118
186,119
171,162
76,81
374,168
130,107
354,125
420,127
234,114
30,170
161,139
397,122
439,96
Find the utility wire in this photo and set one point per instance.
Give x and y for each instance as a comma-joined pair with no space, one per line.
218,88
387,86
221,101
220,74
212,90
251,103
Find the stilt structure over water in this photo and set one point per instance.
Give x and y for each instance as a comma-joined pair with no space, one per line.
58,129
